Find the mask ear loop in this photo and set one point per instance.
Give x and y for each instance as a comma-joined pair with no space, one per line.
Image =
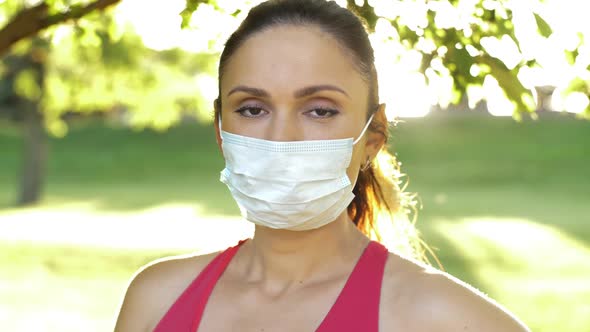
364,129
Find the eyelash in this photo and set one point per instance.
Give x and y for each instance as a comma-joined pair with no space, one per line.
243,109
330,112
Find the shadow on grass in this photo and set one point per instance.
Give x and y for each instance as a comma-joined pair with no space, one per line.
540,271
123,170
569,214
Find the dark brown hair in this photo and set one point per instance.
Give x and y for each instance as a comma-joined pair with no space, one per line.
377,190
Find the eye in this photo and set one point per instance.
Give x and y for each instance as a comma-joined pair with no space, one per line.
251,111
322,113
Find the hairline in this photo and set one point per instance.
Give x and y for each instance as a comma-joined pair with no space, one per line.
359,66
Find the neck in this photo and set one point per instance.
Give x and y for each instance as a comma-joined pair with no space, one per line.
284,257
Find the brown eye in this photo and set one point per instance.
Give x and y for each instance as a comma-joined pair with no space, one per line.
322,112
250,112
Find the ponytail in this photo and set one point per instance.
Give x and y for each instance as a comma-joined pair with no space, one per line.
381,209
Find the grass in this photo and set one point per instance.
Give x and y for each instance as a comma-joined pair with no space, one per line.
505,205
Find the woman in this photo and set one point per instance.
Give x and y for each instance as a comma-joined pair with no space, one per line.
300,126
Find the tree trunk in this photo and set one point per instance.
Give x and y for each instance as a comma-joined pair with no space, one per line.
34,157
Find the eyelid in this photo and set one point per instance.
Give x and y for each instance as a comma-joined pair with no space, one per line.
330,110
250,103
240,110
244,107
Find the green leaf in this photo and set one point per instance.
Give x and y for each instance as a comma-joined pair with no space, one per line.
571,56
25,85
456,95
189,9
542,26
578,84
56,127
463,60
186,15
90,38
509,82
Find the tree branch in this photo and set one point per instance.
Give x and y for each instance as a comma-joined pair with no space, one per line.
29,22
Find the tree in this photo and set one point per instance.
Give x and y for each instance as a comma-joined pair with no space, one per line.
458,41
94,65
29,21
25,72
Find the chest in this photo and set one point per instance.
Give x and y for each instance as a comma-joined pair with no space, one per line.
235,307
313,309
344,302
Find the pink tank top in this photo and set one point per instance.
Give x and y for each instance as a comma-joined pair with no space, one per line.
355,309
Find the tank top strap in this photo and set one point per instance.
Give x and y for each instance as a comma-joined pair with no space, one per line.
357,305
185,314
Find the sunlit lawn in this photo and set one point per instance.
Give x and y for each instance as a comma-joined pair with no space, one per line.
506,206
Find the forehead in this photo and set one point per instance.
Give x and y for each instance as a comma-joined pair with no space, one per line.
288,57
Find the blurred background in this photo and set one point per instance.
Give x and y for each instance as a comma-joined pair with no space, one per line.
108,157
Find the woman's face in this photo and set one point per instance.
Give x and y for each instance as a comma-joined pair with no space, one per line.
292,83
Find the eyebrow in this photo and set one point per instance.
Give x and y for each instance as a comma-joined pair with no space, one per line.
249,90
303,92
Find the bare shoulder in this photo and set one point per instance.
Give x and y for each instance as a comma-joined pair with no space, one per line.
155,287
422,298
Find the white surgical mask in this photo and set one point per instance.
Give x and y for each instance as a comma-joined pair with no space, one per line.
298,185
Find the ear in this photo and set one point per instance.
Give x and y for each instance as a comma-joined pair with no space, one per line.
377,133
217,122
